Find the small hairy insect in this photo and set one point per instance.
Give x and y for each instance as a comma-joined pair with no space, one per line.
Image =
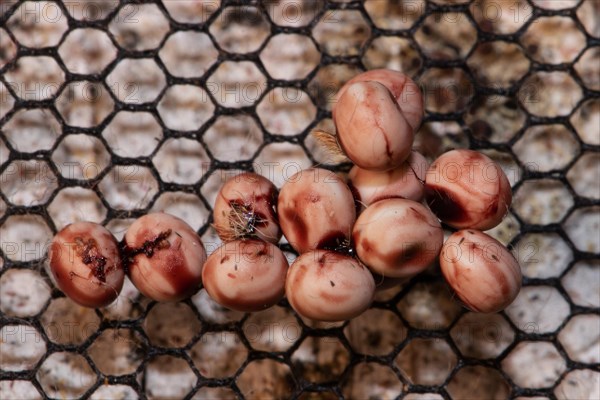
467,189
246,275
327,286
480,270
163,257
397,238
85,264
376,116
245,208
406,181
316,211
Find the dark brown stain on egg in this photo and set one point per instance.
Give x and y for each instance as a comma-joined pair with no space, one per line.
335,241
412,253
149,246
443,204
298,227
167,261
91,256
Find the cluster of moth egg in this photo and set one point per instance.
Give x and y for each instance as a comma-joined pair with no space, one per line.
378,227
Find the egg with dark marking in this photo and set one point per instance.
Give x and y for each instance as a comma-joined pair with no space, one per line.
328,286
246,275
480,270
467,189
85,264
164,257
316,211
397,238
245,208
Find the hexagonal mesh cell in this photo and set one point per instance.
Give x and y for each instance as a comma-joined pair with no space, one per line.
111,109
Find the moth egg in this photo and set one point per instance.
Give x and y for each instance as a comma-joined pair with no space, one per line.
316,210
408,115
164,257
467,189
371,129
328,286
85,263
406,92
245,208
246,275
397,238
480,270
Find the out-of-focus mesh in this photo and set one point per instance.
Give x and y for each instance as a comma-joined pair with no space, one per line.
517,79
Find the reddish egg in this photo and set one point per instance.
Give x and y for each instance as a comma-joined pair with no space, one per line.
467,189
371,129
85,263
480,270
316,210
407,181
246,275
245,208
164,257
328,286
406,92
397,238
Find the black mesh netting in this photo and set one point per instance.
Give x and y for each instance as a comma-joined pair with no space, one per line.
109,108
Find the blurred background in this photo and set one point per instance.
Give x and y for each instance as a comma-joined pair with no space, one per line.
111,109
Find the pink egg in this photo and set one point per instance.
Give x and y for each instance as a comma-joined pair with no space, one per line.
85,263
467,189
245,208
480,270
246,275
164,257
406,92
316,210
397,238
328,286
371,129
407,181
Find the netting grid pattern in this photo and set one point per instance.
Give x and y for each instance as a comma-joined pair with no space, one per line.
108,108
